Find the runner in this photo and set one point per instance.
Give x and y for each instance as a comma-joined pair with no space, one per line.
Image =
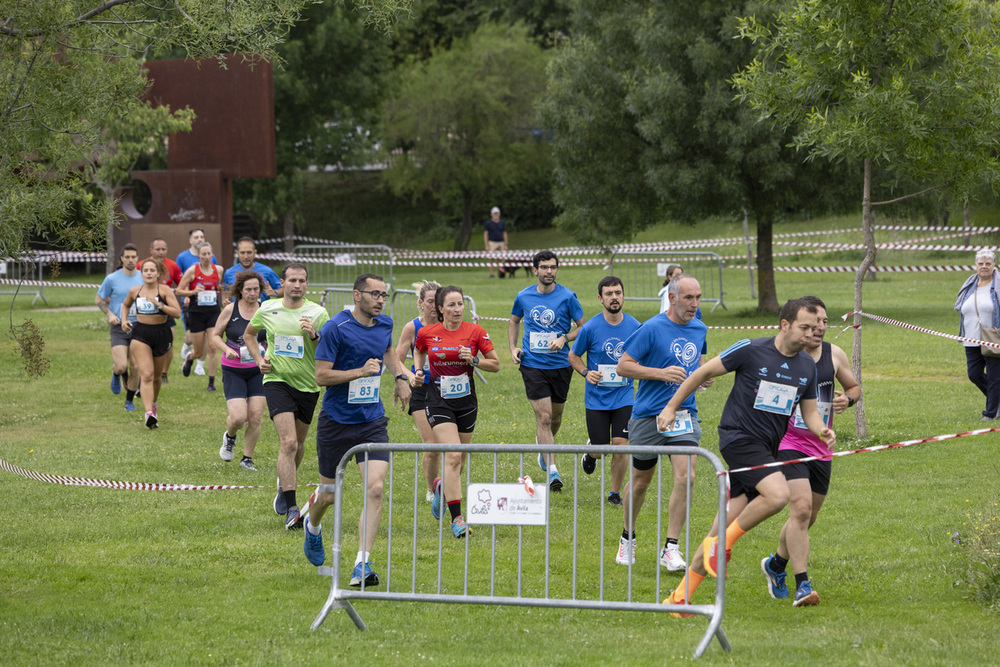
773,375
292,324
201,282
246,254
242,380
110,296
608,397
353,346
430,461
151,338
451,347
185,260
172,278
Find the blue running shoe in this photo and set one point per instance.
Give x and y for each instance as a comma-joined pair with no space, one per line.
116,384
293,519
436,500
129,406
555,482
280,506
541,462
775,580
364,570
805,596
315,553
459,528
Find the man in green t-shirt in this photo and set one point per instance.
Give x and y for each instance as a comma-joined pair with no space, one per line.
292,325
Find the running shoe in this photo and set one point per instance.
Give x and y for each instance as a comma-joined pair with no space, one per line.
247,464
186,368
129,406
212,388
672,559
164,379
588,464
675,598
228,443
186,350
315,553
776,587
280,506
459,528
429,497
199,368
626,551
436,500
151,420
614,499
364,570
710,548
805,596
293,519
541,460
116,384
555,482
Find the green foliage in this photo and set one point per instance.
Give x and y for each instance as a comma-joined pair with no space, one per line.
979,539
465,119
30,343
909,85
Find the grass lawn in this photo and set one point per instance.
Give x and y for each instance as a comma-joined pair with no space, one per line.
92,576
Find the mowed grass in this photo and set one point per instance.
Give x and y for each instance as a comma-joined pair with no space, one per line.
94,575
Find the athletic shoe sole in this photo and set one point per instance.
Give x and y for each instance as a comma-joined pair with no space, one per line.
555,485
810,600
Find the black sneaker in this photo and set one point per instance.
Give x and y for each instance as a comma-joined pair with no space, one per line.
614,499
151,421
293,519
588,464
186,368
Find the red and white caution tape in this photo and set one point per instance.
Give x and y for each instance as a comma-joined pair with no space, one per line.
876,448
46,283
913,327
111,484
853,269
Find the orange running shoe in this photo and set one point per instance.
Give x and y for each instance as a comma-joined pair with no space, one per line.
709,552
675,598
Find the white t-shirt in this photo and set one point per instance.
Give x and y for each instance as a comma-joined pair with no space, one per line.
971,323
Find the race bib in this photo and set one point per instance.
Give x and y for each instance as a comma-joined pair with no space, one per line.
824,409
774,397
539,341
208,298
682,424
132,311
455,386
144,306
609,376
245,357
364,390
288,346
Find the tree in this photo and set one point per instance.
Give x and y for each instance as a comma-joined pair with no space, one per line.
67,66
466,119
909,87
646,127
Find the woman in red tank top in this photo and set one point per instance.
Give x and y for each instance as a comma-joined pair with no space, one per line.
201,285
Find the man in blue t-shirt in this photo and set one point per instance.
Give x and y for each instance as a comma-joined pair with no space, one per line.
246,254
773,375
548,310
607,396
353,345
110,296
665,351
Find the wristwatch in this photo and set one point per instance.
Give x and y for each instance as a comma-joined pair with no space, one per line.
402,376
850,401
475,361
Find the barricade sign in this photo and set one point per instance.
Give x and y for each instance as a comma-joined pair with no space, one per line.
643,273
526,547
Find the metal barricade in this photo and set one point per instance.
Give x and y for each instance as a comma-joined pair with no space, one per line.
406,309
534,543
13,271
643,273
336,299
338,266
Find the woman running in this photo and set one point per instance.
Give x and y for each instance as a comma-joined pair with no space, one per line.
430,461
151,335
201,282
451,347
242,381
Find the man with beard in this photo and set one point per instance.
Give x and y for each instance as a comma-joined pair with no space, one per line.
548,309
246,254
353,346
110,296
290,387
608,397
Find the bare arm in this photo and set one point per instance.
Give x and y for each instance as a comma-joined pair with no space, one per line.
513,334
813,420
182,289
253,348
405,342
712,369
630,368
220,329
576,361
169,305
401,387
105,306
126,306
844,375
326,376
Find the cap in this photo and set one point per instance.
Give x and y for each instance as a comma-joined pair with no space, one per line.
495,209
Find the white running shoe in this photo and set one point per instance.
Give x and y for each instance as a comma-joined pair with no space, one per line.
626,552
199,368
186,349
429,497
672,559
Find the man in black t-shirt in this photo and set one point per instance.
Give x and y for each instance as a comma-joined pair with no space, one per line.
494,238
773,375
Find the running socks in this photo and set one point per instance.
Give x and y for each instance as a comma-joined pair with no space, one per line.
455,507
689,583
800,578
129,395
733,533
290,498
778,564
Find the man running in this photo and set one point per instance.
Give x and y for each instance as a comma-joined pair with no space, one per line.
664,352
608,397
809,483
109,298
548,309
246,253
292,324
353,346
773,376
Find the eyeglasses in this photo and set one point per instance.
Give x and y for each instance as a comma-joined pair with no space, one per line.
375,294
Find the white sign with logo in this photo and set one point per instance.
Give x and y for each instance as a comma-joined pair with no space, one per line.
506,504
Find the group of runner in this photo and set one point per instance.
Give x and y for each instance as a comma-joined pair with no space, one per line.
279,352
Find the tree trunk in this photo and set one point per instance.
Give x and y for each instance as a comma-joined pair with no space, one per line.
750,260
868,227
767,295
288,230
465,229
967,223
